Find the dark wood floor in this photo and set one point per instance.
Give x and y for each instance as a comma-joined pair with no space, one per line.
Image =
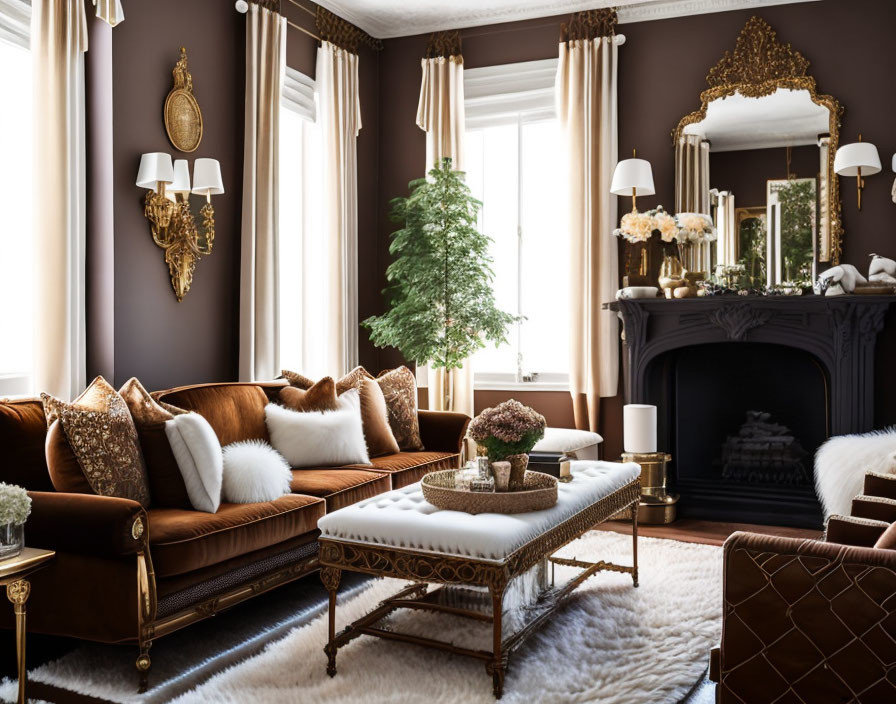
690,530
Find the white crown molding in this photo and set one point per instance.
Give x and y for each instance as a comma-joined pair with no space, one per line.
387,19
667,9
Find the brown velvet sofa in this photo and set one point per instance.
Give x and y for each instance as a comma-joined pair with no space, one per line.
125,574
812,621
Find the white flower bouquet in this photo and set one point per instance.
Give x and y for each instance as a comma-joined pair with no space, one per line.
15,505
694,228
639,227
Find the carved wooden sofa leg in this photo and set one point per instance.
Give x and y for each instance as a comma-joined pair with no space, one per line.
143,665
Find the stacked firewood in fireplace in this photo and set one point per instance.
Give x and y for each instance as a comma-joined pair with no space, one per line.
763,452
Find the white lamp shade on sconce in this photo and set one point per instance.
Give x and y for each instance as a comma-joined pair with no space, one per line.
181,182
155,167
858,155
207,179
632,177
893,165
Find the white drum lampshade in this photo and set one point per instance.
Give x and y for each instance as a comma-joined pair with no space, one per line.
858,159
893,165
858,155
155,167
207,179
632,177
639,428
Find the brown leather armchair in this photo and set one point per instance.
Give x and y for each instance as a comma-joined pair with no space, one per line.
812,621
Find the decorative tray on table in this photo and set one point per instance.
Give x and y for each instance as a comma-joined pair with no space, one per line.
540,492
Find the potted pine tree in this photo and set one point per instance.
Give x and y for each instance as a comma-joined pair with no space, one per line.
441,305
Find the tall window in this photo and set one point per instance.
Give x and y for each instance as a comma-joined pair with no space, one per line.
515,166
302,256
16,241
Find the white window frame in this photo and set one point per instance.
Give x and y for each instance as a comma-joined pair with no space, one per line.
15,28
517,94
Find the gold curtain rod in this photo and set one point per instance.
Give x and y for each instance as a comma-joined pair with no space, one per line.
302,29
302,7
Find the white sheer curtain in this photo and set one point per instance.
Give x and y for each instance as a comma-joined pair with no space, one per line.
440,113
724,219
58,43
259,305
339,117
586,106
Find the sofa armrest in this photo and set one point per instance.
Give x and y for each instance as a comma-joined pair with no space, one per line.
85,524
442,431
793,606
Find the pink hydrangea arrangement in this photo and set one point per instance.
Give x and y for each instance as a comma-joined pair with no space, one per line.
510,428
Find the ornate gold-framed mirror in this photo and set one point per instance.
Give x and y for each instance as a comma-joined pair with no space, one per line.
762,107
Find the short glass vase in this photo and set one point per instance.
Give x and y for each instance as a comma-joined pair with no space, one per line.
12,540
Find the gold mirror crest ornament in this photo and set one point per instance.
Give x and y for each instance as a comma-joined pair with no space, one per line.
183,118
759,65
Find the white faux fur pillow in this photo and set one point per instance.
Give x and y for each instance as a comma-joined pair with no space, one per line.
198,453
253,472
315,439
841,463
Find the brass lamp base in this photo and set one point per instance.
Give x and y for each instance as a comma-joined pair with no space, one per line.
657,506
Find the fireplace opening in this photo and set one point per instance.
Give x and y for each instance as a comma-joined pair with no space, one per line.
742,422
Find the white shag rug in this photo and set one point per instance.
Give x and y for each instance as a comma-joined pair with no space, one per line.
610,643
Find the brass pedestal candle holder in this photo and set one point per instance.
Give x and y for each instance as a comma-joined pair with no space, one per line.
657,506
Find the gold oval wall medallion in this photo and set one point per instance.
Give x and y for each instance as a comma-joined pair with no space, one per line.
183,118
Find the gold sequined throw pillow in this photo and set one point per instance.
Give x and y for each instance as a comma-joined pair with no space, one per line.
101,432
400,391
353,380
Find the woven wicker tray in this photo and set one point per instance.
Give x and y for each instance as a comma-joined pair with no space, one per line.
540,493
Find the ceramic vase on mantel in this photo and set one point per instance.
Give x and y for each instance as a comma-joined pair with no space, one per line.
518,465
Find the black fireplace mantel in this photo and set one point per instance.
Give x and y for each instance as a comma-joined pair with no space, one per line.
839,331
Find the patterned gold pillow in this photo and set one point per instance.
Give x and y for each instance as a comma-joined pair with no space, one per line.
400,391
353,380
101,432
143,407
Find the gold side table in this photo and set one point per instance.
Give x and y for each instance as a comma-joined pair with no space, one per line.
12,575
658,506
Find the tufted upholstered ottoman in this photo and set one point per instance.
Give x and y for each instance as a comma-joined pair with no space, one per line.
399,534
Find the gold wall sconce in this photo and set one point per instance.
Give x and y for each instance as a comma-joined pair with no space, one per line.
858,159
168,211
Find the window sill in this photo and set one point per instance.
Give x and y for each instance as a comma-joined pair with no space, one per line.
521,386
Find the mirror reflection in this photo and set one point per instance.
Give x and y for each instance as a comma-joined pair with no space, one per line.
758,165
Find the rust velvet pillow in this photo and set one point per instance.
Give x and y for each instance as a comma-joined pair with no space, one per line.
166,483
102,436
375,420
300,381
399,388
321,396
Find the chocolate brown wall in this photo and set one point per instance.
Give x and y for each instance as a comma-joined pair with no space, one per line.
158,339
662,70
161,341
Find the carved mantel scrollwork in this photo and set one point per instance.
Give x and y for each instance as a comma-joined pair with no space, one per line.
839,332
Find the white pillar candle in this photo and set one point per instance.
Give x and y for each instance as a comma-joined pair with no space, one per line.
639,428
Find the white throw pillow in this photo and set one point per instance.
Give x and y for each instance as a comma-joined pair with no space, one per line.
253,472
316,439
199,458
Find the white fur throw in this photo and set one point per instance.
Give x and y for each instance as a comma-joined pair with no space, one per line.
198,453
317,439
841,463
254,471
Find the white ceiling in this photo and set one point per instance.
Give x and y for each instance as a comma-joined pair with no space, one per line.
401,18
784,118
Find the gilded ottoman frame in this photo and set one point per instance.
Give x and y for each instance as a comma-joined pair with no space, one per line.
424,568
